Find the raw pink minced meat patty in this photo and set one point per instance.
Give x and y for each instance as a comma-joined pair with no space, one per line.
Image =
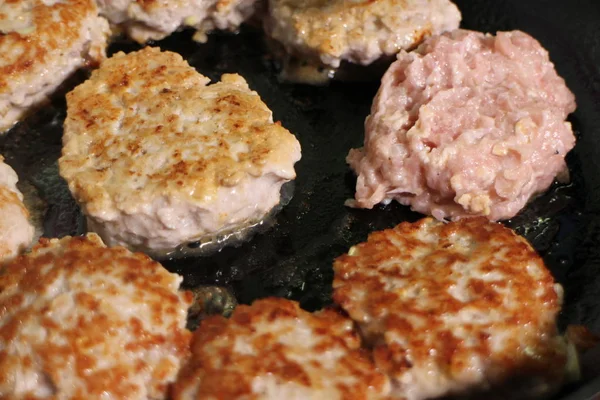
468,124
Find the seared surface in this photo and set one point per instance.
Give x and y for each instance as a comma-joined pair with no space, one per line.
329,31
16,232
157,158
468,124
454,308
275,350
79,320
155,19
41,44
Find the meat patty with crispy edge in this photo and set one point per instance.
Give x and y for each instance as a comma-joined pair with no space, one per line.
80,320
16,232
275,350
455,308
325,33
146,20
158,158
41,44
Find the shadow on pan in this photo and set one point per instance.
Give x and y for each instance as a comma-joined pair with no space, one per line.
294,258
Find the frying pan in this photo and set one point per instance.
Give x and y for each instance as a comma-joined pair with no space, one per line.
293,259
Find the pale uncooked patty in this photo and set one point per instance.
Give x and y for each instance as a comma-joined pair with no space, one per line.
157,158
144,20
361,32
466,125
82,321
41,44
16,232
455,308
275,350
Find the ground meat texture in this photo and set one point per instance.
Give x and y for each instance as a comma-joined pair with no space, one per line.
275,350
158,158
41,44
82,321
468,124
361,32
145,20
16,232
320,40
455,308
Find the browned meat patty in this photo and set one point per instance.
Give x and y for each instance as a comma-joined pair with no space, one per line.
16,232
455,308
41,44
82,321
275,350
158,158
144,20
325,33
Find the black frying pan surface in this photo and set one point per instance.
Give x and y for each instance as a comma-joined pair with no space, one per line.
293,259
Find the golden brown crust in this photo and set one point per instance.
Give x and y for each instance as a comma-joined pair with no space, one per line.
156,6
31,44
301,354
41,44
143,20
10,199
146,125
359,31
79,320
451,297
16,232
8,202
35,40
